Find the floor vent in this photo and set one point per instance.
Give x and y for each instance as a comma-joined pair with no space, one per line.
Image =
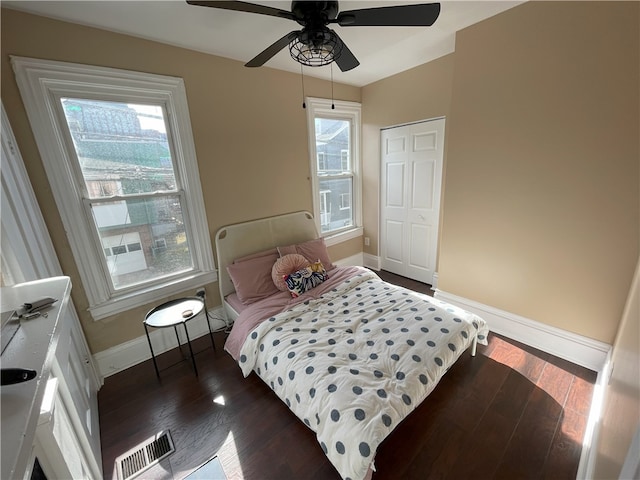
144,456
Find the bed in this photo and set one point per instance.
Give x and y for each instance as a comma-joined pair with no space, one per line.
350,355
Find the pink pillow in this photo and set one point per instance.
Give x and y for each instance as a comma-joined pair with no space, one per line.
251,277
312,250
286,265
264,253
288,250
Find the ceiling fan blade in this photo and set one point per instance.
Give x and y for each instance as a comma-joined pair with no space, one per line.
244,7
423,15
271,50
346,60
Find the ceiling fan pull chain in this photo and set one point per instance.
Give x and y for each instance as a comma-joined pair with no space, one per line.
304,105
333,107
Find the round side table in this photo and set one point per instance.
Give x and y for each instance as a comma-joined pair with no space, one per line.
171,314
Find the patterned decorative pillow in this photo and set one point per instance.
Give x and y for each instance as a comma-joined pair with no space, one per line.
284,266
305,279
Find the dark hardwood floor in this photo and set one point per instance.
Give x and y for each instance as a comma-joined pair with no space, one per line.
511,412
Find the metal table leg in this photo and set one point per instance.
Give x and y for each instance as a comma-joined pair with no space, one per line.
193,358
209,325
153,356
175,329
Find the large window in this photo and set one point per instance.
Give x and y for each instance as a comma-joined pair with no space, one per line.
118,151
334,150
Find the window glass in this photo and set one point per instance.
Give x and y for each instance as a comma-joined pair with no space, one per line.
335,179
332,139
123,150
333,190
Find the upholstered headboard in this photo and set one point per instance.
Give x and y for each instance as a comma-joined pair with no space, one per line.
240,239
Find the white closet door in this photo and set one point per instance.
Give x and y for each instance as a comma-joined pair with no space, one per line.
411,177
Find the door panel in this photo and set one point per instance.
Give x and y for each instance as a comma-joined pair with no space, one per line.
394,235
424,141
418,257
422,185
412,157
396,145
395,185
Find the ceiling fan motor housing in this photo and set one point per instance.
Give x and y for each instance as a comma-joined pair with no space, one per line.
314,14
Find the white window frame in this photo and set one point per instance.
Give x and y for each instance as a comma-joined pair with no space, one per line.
344,159
325,108
344,196
325,207
42,83
322,161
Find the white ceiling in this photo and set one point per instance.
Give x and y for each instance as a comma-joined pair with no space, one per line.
382,51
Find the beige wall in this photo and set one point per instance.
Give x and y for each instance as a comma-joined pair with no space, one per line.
540,213
541,205
249,128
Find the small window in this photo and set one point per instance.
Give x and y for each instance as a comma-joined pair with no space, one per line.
119,250
322,162
134,247
334,146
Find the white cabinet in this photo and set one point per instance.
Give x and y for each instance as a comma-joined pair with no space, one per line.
54,417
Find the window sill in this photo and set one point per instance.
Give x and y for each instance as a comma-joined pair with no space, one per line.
130,301
336,238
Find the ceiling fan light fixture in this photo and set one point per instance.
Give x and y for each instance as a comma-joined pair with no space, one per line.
316,45
316,49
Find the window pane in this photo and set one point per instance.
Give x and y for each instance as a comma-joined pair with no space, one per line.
334,215
134,247
147,239
332,139
122,148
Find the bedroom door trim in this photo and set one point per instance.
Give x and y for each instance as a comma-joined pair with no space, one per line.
411,169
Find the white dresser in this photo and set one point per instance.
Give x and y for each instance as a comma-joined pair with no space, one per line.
54,417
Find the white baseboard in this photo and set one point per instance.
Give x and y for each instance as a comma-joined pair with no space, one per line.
570,346
371,261
434,282
128,354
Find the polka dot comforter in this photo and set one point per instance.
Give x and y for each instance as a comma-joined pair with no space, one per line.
354,362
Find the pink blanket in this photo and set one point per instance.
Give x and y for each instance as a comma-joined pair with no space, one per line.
260,311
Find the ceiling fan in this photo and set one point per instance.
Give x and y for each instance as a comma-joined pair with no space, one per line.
316,44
